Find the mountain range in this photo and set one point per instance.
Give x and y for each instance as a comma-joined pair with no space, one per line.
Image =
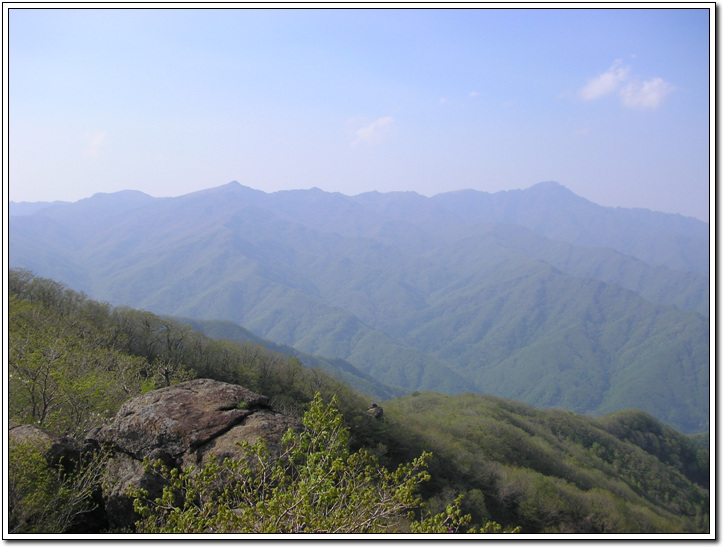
535,294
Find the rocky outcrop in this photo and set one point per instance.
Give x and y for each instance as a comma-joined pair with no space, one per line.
179,419
375,411
181,425
58,450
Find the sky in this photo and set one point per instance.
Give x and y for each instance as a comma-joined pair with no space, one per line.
611,103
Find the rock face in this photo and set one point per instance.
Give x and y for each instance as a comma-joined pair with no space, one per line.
375,411
181,425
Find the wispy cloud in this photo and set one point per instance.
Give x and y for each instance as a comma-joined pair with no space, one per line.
94,142
474,93
647,94
633,91
606,83
374,132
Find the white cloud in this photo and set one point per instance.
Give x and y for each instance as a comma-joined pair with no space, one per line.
648,94
606,83
374,132
95,141
632,91
474,94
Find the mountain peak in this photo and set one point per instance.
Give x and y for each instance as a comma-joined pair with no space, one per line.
552,190
550,186
119,194
233,187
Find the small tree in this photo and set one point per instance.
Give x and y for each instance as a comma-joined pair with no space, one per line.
48,499
314,486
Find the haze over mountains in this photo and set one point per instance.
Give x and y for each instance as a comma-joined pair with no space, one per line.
537,294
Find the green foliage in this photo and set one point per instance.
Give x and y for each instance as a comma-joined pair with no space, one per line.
665,443
554,471
73,361
46,499
63,374
700,440
316,485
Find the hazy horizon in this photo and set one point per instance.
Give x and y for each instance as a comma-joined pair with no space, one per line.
611,103
313,188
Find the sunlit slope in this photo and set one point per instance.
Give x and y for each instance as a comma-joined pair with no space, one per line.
555,471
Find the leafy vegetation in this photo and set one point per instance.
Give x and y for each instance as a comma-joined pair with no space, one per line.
45,497
554,471
74,361
316,485
69,369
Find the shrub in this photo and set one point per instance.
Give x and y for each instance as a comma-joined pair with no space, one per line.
316,485
44,498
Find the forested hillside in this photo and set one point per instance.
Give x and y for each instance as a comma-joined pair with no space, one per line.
537,294
344,371
556,471
73,361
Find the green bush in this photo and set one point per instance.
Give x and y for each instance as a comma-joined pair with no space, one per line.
44,498
316,485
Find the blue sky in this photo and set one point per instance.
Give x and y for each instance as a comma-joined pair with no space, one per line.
611,103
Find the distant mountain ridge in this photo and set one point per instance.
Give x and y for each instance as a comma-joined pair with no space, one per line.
551,210
28,208
535,294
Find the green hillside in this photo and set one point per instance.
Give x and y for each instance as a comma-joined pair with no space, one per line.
73,361
226,330
439,294
555,471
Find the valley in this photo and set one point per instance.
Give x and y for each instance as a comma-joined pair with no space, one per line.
538,294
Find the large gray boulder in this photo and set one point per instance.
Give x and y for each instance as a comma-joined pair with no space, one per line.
181,425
